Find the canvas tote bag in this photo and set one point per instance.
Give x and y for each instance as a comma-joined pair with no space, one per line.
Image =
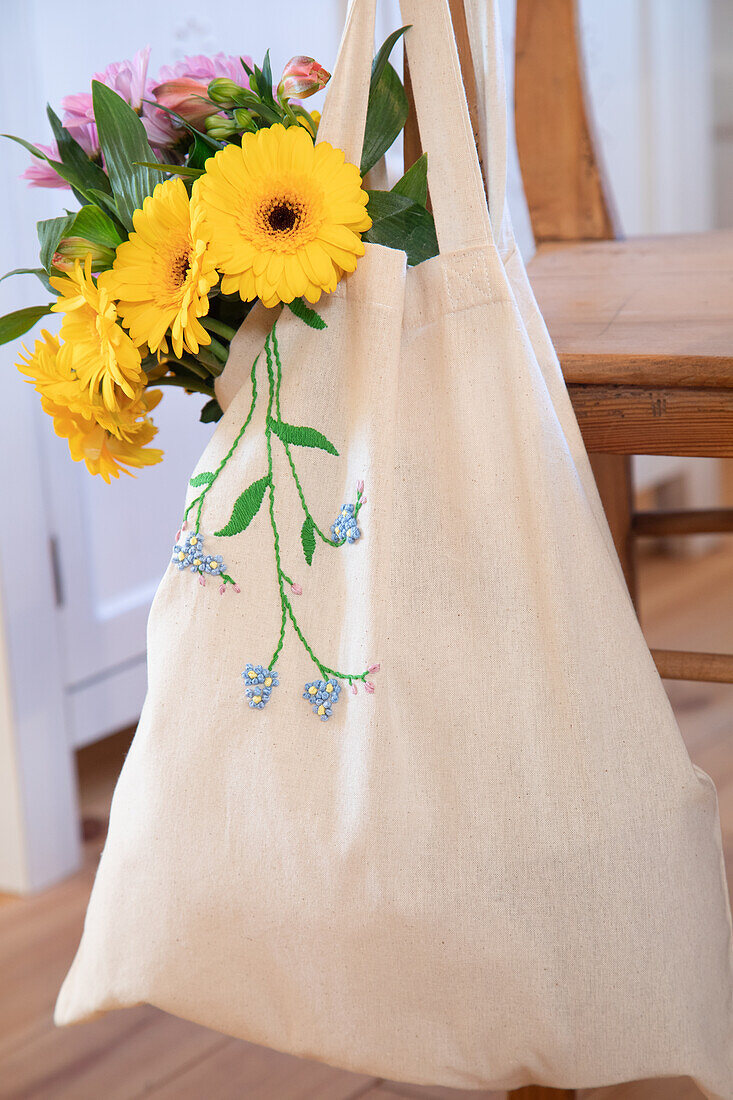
500,867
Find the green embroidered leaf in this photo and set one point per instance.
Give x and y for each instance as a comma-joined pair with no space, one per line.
125,147
306,314
13,325
201,479
397,222
245,508
414,184
308,539
302,437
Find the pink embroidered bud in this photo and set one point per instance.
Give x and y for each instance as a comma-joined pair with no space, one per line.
302,77
237,588
369,687
354,689
189,98
184,525
360,486
296,589
178,535
373,668
202,582
222,589
363,500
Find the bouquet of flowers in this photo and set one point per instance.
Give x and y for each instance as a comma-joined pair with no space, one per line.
199,193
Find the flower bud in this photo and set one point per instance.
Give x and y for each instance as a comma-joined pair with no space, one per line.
244,120
296,589
369,687
225,92
187,97
302,77
70,249
221,127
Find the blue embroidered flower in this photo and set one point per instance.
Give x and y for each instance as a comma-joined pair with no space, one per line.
196,560
214,565
345,528
259,684
194,543
257,674
322,694
258,696
180,557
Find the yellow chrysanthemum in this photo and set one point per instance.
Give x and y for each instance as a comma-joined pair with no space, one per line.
105,440
283,216
95,348
162,276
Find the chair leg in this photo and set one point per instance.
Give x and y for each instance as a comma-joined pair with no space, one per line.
539,1092
613,476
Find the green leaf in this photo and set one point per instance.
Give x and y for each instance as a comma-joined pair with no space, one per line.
385,50
212,143
399,223
245,508
13,325
308,539
301,437
108,204
125,147
211,412
201,479
174,169
94,225
82,172
32,149
306,314
50,233
386,115
37,271
200,153
414,184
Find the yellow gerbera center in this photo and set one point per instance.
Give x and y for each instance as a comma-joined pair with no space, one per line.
282,217
162,276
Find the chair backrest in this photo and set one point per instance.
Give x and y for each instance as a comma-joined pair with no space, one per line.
561,170
562,174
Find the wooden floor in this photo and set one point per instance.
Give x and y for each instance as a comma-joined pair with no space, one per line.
144,1053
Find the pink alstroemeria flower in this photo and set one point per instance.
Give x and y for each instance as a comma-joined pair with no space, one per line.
205,69
40,173
302,77
187,97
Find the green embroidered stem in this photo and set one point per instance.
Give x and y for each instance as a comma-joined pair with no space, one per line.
273,524
285,605
200,499
288,452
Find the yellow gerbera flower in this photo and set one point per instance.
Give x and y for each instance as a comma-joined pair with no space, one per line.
283,216
162,276
105,440
95,348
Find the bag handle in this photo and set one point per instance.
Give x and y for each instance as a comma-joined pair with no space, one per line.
483,23
344,112
454,174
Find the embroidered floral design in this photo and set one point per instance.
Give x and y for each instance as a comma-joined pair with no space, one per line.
323,693
259,683
345,528
190,554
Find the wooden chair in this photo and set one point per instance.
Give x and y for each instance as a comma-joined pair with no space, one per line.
643,327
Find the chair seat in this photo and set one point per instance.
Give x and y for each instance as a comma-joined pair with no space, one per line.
649,311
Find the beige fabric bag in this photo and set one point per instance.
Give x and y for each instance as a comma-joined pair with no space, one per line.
499,868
